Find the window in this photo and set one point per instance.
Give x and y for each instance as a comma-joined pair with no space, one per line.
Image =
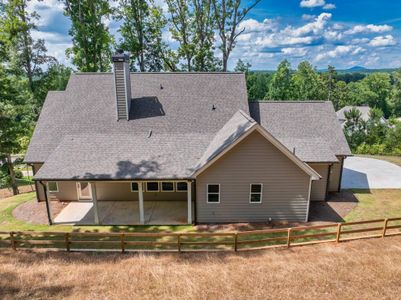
152,186
181,186
255,194
167,186
134,187
52,186
213,193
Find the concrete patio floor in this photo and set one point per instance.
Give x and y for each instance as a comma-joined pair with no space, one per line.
124,213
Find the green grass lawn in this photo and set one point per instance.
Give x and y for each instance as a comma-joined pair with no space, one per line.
376,204
393,159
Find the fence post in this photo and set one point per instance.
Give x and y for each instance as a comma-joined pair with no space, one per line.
289,237
179,242
122,239
236,242
12,240
339,225
67,242
385,227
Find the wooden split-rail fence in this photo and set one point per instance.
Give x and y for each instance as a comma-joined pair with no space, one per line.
200,241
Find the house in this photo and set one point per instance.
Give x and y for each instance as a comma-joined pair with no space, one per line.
152,148
364,110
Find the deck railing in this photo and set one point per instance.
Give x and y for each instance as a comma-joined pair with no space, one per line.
201,241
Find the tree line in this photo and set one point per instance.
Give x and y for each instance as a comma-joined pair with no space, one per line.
380,91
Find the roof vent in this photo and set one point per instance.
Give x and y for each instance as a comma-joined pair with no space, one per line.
122,84
161,87
213,107
150,133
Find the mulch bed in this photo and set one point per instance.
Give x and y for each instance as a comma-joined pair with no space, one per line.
35,212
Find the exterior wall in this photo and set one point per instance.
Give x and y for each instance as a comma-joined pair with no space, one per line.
319,187
113,191
40,193
335,176
253,160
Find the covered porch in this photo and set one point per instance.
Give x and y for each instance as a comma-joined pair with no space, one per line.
122,203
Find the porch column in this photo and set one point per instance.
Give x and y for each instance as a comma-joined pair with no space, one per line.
140,198
48,205
94,200
189,199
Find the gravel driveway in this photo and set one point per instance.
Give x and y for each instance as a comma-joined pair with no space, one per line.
370,173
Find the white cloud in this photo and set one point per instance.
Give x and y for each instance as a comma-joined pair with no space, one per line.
369,29
312,3
56,44
340,51
307,17
295,52
314,27
383,41
47,10
329,6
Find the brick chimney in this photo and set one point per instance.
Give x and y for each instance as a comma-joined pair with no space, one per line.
122,84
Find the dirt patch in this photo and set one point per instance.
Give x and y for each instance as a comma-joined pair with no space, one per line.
8,192
334,209
35,212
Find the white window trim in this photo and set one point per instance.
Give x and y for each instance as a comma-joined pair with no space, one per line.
131,186
261,193
48,189
153,191
181,191
207,193
161,187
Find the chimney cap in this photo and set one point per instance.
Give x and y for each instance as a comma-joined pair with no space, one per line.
120,56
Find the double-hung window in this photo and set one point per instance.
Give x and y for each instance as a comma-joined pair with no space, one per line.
255,193
213,193
52,186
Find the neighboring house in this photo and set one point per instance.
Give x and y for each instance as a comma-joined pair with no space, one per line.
365,114
189,137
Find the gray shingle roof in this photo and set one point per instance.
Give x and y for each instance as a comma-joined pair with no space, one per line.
228,134
162,102
125,156
311,127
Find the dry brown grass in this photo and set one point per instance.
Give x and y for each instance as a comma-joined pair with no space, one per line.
366,269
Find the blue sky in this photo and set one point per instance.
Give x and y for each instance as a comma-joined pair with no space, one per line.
343,33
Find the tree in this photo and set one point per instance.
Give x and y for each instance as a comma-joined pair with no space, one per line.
306,83
354,128
28,55
141,33
395,97
204,59
55,78
258,83
91,50
242,66
228,15
14,121
377,90
181,21
280,84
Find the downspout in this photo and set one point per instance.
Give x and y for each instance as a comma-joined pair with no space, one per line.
341,174
195,202
47,203
328,181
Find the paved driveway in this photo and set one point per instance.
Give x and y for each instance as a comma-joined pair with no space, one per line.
370,173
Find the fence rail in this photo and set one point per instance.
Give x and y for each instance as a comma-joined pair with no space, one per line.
201,241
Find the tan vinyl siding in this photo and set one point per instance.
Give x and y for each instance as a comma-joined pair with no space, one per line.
318,191
39,188
253,160
335,176
67,190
